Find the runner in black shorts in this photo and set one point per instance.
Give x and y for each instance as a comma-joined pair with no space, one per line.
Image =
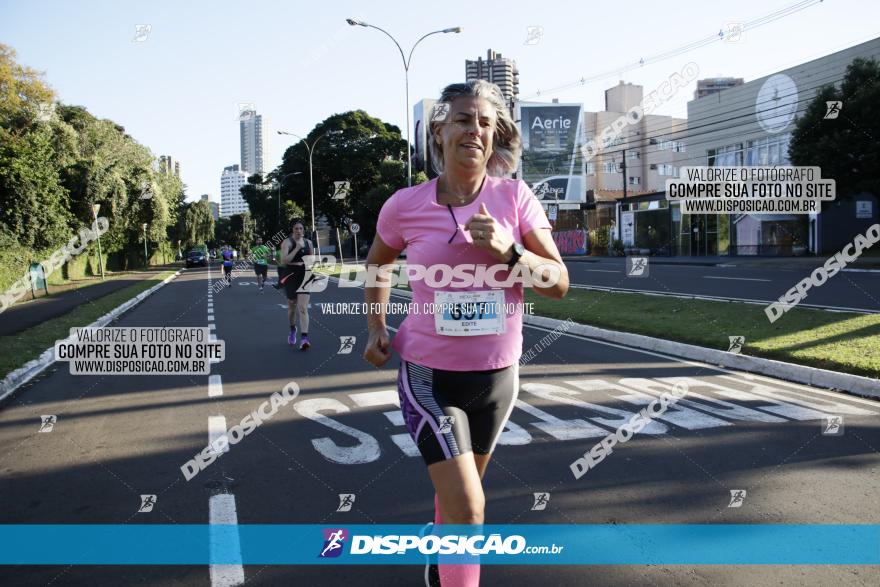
449,413
293,249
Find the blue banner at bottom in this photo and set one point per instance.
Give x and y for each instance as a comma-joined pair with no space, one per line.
663,544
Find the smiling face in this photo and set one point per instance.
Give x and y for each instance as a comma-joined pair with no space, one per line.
468,133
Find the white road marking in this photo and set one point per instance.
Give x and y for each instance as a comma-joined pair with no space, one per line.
211,318
222,511
371,399
735,278
212,326
215,386
216,429
366,451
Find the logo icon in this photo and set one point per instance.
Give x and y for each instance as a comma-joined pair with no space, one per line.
341,189
334,539
734,32
440,112
737,496
637,267
246,110
45,111
141,32
346,345
541,501
446,423
833,109
346,501
147,503
832,426
534,34
146,190
47,423
736,344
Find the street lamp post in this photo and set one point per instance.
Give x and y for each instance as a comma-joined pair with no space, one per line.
146,256
95,208
406,64
311,149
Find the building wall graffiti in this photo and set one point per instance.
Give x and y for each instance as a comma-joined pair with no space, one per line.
571,242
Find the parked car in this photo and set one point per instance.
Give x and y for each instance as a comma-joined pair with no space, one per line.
196,257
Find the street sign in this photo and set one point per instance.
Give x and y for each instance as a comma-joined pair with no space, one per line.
354,227
552,211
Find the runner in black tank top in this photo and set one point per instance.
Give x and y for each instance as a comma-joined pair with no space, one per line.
293,249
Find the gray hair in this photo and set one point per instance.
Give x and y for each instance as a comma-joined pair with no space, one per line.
507,142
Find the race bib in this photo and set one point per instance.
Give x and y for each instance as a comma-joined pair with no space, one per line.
469,313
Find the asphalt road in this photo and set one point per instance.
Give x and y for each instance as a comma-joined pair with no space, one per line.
118,437
852,290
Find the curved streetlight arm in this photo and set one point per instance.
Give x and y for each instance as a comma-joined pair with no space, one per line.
402,56
409,60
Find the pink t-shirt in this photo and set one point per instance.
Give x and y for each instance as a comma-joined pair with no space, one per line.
412,219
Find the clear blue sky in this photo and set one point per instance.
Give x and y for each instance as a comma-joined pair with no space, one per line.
298,62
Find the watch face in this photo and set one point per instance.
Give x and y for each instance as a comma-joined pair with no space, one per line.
777,102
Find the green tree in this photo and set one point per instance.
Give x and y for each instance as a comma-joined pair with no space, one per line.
242,231
34,205
222,232
198,224
846,148
262,201
24,95
356,155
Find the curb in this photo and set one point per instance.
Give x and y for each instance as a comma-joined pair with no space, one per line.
33,368
851,384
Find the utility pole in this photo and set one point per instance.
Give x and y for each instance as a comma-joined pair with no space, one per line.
623,168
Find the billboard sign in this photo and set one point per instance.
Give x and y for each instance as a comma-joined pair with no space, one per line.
551,161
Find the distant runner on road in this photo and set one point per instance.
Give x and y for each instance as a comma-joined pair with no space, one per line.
260,255
227,265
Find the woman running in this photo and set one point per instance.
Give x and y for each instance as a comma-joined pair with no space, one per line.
458,377
293,249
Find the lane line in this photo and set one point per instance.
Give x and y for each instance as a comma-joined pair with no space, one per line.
222,511
216,429
735,278
215,386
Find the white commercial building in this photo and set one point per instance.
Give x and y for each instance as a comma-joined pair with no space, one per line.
231,181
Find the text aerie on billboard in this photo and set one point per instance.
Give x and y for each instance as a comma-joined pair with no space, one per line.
551,123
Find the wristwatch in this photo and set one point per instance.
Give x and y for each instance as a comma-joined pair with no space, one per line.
517,251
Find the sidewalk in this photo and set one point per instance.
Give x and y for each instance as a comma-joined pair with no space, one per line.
27,314
871,263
